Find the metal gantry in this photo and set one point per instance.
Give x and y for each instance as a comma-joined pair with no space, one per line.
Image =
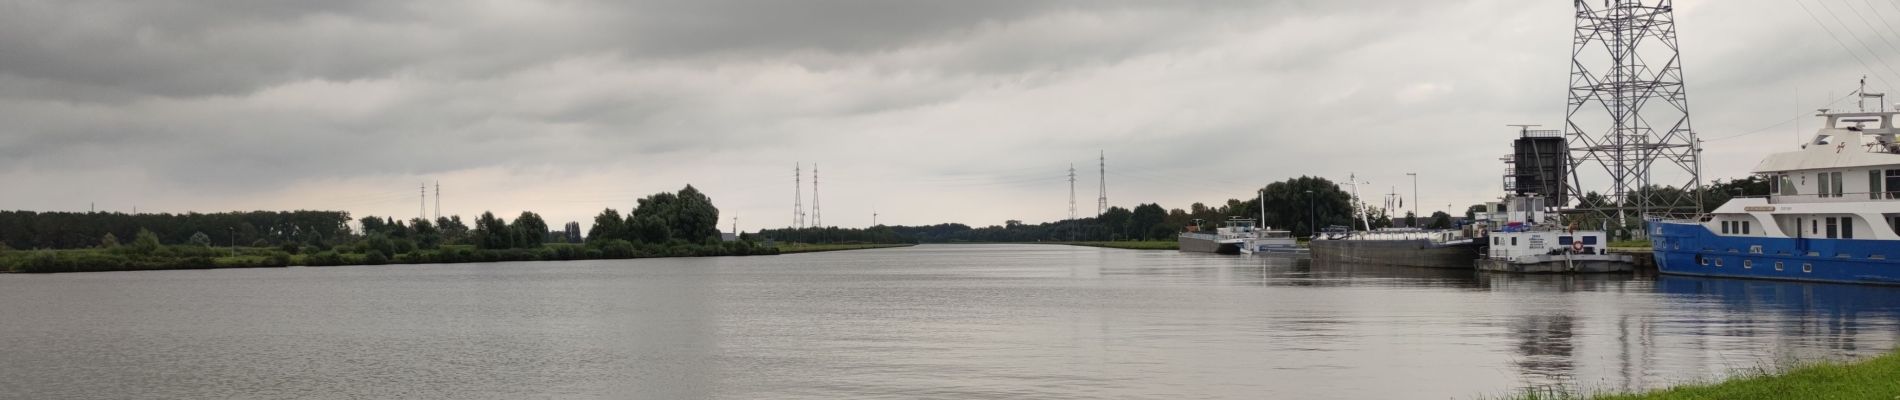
1627,121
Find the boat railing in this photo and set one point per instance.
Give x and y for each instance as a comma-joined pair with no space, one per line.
1843,197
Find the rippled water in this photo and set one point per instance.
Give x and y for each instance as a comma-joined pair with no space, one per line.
934,321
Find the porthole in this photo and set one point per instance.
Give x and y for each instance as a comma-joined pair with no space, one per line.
1806,267
1718,263
1702,260
1748,264
1778,266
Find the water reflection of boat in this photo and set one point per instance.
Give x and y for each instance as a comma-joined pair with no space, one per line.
1788,296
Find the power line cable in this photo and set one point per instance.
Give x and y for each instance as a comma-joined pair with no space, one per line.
1783,122
1837,40
1863,43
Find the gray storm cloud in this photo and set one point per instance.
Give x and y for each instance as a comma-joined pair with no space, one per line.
925,111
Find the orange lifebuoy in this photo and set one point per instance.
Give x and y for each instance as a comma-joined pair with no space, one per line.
1576,246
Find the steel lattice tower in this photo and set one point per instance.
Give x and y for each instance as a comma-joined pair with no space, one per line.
1101,202
817,213
798,196
1628,114
1071,191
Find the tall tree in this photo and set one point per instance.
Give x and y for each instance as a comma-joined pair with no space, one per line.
696,218
608,226
1145,219
530,230
491,232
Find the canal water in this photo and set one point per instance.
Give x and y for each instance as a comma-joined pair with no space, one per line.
933,321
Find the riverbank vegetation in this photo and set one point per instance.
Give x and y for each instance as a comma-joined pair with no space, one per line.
681,224
1297,204
1872,379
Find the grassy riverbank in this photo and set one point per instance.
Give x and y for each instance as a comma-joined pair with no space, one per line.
202,257
1874,379
792,248
1129,244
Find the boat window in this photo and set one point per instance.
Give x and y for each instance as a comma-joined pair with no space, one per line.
1748,264
1806,267
1896,225
1873,184
1563,240
1513,240
1774,184
1893,184
1725,227
1827,187
1837,184
1745,226
1814,227
1787,186
1833,228
1589,240
1847,227
1778,266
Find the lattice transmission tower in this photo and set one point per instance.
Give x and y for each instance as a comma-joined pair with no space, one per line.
798,196
1101,200
1072,191
1627,122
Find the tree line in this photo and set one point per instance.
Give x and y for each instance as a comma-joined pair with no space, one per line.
1300,205
667,224
69,230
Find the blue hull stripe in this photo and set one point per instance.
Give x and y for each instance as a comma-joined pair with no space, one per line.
1691,249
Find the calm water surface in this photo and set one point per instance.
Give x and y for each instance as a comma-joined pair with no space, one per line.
935,321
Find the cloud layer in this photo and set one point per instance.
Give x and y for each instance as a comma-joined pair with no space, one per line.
967,111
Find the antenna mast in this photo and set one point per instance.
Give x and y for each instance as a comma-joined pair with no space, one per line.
438,199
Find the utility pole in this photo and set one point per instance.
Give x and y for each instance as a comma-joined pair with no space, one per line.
438,199
422,203
1415,203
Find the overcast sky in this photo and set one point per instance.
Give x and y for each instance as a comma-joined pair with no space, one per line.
949,111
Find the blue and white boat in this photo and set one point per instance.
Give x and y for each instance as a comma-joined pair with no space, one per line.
1833,213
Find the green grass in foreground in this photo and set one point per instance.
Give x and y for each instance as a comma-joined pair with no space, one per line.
1131,245
789,248
1876,378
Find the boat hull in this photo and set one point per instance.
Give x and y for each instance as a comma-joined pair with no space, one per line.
1691,249
1203,245
1559,264
1409,253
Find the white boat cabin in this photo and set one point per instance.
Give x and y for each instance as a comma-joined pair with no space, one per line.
1842,184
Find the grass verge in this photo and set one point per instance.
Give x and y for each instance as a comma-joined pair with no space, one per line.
1874,378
